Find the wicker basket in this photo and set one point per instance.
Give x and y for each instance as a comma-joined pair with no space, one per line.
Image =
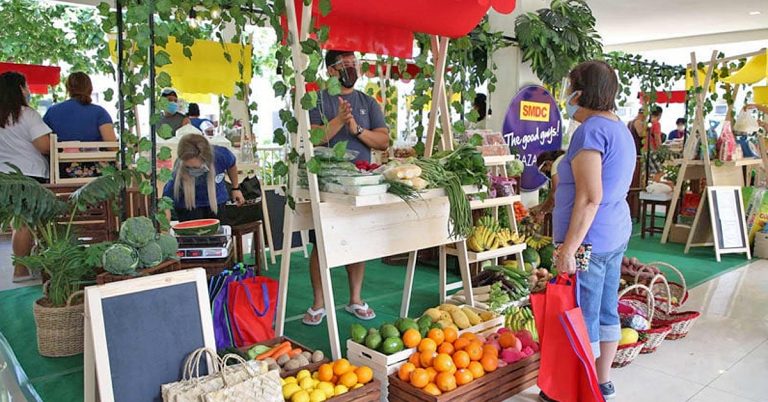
678,291
625,354
163,267
680,322
647,305
59,329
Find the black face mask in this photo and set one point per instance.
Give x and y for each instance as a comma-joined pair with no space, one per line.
348,77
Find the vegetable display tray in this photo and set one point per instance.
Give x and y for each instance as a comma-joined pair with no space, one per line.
280,339
163,267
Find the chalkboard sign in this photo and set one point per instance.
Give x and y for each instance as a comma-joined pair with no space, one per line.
276,210
729,227
140,331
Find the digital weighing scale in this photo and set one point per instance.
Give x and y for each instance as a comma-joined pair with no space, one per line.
215,246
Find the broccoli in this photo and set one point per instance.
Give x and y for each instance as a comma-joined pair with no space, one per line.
137,232
169,245
150,255
120,259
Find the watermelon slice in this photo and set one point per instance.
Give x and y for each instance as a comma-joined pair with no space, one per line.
198,227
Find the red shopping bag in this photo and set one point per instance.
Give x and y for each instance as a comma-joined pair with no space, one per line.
565,373
252,304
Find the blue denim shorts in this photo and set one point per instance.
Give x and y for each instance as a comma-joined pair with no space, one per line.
599,297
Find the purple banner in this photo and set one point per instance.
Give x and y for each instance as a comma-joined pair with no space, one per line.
532,126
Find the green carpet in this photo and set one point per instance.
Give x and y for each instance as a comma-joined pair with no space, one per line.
61,379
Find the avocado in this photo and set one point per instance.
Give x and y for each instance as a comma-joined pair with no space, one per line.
391,345
404,324
373,340
357,333
389,331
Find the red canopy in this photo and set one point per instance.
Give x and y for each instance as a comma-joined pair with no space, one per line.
661,97
39,78
387,27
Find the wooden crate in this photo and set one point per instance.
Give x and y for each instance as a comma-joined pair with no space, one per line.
163,267
280,339
384,365
370,392
492,387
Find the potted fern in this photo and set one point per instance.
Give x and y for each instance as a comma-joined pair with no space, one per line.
57,252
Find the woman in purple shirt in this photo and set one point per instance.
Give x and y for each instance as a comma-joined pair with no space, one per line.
591,206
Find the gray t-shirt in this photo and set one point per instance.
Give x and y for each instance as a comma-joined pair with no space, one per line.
16,144
366,111
174,121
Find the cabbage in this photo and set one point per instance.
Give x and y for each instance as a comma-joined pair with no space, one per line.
120,259
515,168
151,255
137,232
169,245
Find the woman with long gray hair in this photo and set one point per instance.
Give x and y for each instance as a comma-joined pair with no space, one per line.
197,187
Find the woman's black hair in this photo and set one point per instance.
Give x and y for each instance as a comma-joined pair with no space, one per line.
657,111
333,56
548,156
11,97
480,104
681,120
598,85
193,109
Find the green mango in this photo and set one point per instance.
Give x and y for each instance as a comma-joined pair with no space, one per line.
392,345
389,331
404,324
373,340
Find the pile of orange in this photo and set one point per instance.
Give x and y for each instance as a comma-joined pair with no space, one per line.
445,361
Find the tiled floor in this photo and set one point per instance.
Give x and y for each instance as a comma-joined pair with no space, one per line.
724,359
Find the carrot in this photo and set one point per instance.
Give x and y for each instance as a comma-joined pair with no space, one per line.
266,354
295,352
284,348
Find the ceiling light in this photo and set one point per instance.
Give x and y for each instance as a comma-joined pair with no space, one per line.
754,13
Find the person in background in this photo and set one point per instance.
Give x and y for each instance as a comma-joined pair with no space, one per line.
171,115
591,207
208,128
637,127
78,119
193,112
358,119
679,131
197,186
547,163
24,139
655,132
479,105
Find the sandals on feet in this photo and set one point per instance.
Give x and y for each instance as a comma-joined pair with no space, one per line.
313,321
355,309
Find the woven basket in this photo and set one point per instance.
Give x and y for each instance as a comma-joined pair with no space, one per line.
662,293
680,322
59,329
625,354
163,267
644,303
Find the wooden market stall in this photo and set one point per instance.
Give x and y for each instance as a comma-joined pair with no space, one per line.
394,227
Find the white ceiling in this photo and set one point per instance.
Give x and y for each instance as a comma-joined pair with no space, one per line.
629,21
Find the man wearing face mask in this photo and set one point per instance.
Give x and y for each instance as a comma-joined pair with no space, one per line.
171,115
358,119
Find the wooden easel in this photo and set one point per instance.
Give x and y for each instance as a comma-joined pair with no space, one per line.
351,229
700,233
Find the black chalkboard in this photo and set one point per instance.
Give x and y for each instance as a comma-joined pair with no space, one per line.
149,336
276,208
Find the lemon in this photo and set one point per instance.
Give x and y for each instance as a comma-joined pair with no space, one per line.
340,389
301,396
290,389
628,335
289,380
326,387
358,385
303,374
307,383
317,396
315,374
315,382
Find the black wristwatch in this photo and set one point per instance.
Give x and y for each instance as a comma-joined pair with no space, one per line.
359,131
235,189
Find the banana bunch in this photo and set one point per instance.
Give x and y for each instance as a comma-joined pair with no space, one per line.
517,238
537,241
505,236
519,318
490,222
483,239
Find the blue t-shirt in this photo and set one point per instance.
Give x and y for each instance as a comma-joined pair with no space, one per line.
223,160
72,121
196,121
366,111
612,225
675,134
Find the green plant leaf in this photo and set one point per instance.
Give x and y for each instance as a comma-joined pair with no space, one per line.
163,80
280,88
280,169
164,154
333,86
164,175
145,145
145,188
165,132
325,7
143,165
309,100
162,58
317,135
340,149
313,165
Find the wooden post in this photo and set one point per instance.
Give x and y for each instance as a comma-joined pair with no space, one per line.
439,51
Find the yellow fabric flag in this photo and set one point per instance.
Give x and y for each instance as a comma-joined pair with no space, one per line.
702,74
208,71
761,95
755,70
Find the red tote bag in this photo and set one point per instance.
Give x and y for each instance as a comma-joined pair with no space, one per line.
252,304
565,373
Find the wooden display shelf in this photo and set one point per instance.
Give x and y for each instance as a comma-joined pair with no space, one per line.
494,202
490,254
499,160
740,162
492,387
380,199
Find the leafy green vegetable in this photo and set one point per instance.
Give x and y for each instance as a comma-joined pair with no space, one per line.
120,259
137,231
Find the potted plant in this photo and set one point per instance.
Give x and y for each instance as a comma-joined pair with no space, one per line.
57,252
